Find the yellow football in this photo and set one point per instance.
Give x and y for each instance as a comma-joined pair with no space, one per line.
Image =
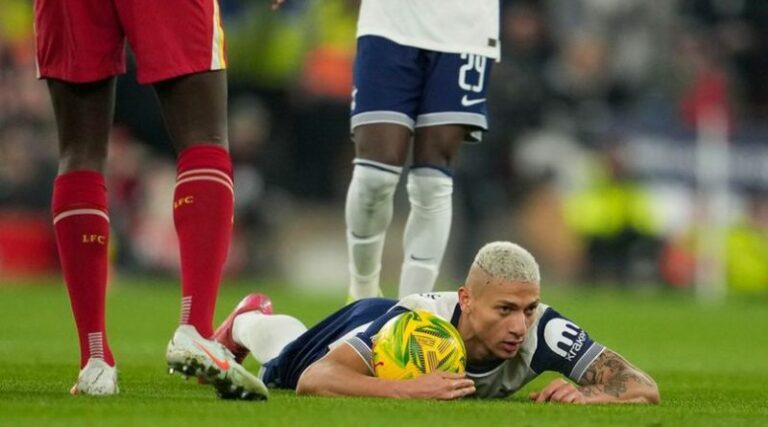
417,343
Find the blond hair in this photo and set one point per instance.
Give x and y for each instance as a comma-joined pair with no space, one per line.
509,262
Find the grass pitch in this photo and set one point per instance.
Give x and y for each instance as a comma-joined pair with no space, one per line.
711,364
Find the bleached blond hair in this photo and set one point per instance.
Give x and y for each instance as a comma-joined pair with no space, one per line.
509,262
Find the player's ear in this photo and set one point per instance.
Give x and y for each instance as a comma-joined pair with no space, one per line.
465,298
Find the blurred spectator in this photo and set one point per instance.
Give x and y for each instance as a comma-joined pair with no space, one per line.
127,165
519,94
747,247
614,218
322,149
707,90
551,164
258,205
27,150
24,170
739,29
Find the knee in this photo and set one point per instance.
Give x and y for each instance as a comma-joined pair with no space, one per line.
368,209
376,182
430,187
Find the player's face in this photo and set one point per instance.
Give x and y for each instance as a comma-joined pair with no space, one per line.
499,315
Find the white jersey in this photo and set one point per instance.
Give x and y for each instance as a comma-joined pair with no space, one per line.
553,343
453,26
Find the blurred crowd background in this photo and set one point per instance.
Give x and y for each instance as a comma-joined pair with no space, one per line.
597,109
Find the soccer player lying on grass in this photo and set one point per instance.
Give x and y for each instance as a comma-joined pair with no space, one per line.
510,338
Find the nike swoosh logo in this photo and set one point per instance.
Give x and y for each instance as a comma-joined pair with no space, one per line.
465,101
222,364
415,258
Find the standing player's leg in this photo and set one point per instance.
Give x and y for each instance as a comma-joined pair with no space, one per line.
179,48
81,220
381,149
79,50
388,81
430,190
194,108
452,111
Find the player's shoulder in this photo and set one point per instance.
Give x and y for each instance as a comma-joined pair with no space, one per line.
441,303
556,343
549,326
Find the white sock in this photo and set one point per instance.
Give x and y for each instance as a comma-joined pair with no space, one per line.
426,232
368,214
265,335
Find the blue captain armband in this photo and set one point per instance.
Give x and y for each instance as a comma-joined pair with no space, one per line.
562,346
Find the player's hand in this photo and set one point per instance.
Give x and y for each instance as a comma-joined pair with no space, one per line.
438,385
560,391
277,3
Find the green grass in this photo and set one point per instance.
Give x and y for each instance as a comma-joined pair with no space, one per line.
711,364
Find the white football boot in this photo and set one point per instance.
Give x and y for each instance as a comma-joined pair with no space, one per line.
96,378
192,355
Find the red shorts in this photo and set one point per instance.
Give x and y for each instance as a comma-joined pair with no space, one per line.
83,41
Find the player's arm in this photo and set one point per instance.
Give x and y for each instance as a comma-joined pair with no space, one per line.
342,372
609,379
598,374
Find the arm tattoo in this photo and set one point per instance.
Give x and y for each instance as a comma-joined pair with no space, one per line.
610,374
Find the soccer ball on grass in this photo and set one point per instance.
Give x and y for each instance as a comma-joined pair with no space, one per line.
416,343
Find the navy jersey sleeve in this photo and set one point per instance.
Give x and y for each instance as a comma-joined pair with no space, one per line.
363,341
563,347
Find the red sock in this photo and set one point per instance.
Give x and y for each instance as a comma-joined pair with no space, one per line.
203,208
81,225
